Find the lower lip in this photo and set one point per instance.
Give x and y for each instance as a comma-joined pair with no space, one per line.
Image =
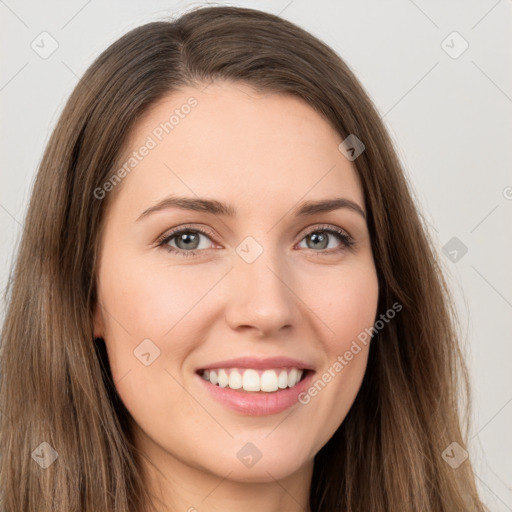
258,403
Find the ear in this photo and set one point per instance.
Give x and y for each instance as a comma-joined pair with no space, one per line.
98,321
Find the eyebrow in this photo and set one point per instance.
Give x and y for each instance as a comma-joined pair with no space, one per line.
212,206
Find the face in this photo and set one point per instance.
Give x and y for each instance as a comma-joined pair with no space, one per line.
254,289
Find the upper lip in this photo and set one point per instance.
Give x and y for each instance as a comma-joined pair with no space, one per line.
259,363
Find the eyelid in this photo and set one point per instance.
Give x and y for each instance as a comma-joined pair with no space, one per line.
326,227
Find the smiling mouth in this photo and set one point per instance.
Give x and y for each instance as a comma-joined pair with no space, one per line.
254,380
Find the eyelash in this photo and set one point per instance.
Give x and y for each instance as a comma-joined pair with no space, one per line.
346,240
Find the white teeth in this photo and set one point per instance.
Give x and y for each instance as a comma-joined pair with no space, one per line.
250,379
235,380
223,378
282,380
269,381
292,377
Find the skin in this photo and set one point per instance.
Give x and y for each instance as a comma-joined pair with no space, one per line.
264,154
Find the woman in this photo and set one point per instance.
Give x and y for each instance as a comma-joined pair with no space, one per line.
224,296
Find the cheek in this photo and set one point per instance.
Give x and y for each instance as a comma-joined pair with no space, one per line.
149,299
347,306
143,305
346,303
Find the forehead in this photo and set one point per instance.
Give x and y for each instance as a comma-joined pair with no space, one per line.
229,141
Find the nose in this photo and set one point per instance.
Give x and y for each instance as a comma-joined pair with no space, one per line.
261,296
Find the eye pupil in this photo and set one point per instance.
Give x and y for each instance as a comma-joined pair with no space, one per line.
187,238
320,237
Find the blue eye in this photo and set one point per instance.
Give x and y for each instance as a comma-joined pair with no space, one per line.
187,240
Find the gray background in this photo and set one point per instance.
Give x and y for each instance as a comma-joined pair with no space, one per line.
448,114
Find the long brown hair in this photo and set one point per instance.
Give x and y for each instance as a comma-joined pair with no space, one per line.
55,383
